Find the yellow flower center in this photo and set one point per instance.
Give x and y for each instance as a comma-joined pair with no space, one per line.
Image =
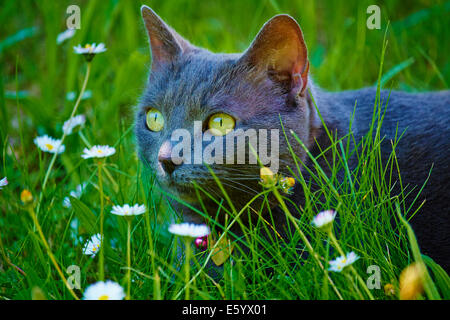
99,151
103,297
88,46
49,146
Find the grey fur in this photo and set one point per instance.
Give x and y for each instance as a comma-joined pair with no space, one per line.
194,83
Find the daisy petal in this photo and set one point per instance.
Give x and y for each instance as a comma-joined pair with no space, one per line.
107,290
49,144
189,230
98,152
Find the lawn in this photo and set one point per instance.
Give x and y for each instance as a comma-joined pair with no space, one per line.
43,236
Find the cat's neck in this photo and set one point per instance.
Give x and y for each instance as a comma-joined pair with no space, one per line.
327,109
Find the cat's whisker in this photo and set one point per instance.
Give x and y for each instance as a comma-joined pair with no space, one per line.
211,192
231,186
243,185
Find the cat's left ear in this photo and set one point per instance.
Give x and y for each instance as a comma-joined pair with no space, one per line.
280,50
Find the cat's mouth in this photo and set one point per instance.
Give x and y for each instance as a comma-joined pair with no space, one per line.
189,183
189,187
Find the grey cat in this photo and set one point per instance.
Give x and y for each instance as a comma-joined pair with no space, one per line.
268,82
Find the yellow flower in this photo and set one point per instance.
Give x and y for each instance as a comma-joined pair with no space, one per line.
287,184
411,282
389,289
290,182
26,197
268,178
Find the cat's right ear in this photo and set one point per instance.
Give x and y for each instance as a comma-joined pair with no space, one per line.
165,44
280,51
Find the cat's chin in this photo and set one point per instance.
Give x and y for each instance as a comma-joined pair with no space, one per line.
184,192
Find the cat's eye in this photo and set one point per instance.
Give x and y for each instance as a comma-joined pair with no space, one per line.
155,120
221,123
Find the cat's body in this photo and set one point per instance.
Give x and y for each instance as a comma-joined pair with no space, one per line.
421,119
269,82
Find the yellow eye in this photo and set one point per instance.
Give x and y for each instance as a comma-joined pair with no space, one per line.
221,123
155,120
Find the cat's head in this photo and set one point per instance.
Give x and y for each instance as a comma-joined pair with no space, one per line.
193,94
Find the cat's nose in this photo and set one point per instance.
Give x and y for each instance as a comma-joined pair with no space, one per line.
165,158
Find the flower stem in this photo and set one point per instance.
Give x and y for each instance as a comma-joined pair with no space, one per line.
187,267
358,277
305,240
128,297
101,262
49,252
355,286
110,177
152,255
85,140
335,243
52,162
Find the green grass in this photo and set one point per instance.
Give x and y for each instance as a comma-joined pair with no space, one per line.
37,74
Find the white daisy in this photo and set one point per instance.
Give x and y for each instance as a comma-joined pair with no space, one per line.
90,50
127,210
66,203
49,144
63,36
98,152
93,245
324,218
108,290
70,124
338,264
189,230
74,193
3,183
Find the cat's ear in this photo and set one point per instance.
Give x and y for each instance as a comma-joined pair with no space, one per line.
165,44
280,50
